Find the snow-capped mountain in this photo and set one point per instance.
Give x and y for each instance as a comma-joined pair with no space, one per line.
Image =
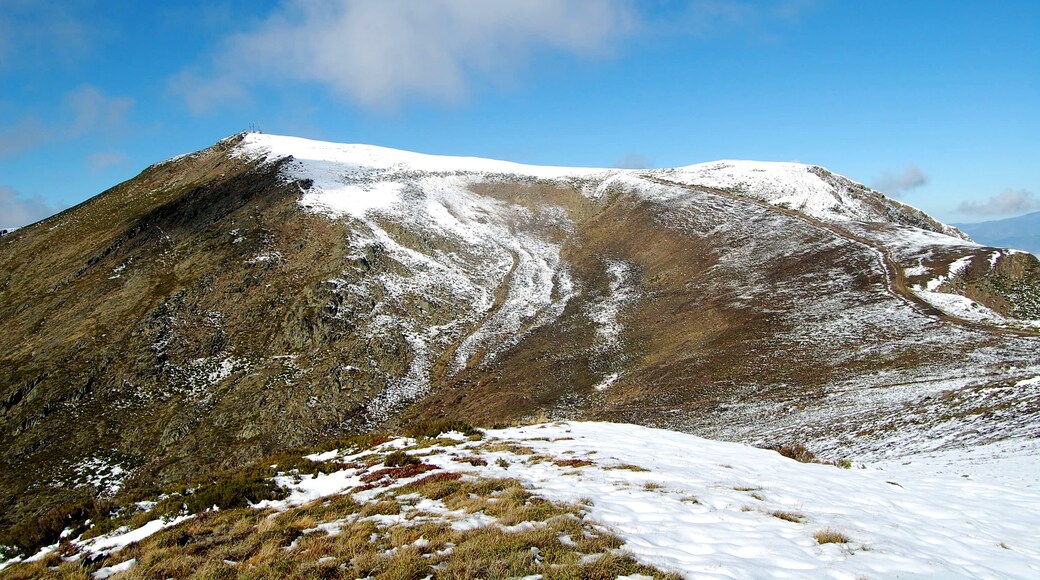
273,291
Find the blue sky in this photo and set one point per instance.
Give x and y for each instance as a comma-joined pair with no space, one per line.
934,102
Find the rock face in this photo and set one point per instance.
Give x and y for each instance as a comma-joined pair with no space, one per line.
271,291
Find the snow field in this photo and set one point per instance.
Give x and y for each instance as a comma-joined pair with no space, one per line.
710,509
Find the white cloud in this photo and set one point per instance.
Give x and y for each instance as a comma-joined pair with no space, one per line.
897,184
102,160
711,18
93,110
85,110
17,210
44,33
26,134
379,53
1007,202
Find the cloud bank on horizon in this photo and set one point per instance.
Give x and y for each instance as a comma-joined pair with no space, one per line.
17,210
1006,203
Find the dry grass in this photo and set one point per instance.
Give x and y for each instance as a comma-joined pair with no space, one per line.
799,452
502,447
829,536
251,543
572,462
788,516
628,467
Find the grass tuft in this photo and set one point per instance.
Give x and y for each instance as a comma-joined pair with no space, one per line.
829,536
789,516
572,463
628,467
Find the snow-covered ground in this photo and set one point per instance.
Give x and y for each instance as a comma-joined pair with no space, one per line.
706,508
709,509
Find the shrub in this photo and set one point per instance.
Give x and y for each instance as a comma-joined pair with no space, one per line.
233,490
400,458
474,461
798,452
32,534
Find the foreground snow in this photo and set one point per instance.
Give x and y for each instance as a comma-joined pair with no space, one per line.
709,509
715,510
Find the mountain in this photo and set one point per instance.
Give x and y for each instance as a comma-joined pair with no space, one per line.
1022,232
270,292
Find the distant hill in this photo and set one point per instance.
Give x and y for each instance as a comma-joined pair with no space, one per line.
1021,233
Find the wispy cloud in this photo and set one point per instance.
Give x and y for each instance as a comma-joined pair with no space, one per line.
17,210
43,33
84,110
708,18
98,162
27,133
1007,202
897,184
379,53
94,110
633,161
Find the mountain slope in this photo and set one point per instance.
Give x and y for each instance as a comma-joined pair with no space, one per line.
1021,232
272,291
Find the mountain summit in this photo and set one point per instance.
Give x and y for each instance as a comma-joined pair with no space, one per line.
272,291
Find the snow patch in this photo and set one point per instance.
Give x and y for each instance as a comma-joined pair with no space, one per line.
102,474
110,543
113,570
607,382
1033,382
605,312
